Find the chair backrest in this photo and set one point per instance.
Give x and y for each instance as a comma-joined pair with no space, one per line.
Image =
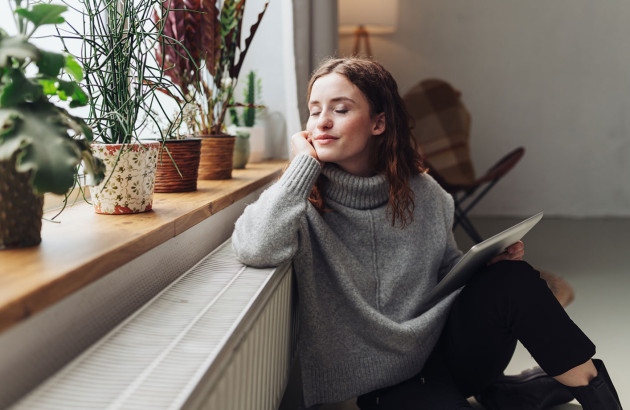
442,130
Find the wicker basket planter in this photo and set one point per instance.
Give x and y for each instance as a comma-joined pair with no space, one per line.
129,188
21,208
180,176
216,156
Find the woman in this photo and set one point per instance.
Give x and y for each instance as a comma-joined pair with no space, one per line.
369,234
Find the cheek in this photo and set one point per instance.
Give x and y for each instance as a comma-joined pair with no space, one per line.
310,124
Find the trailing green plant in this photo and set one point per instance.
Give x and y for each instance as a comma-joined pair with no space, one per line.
43,137
201,51
251,93
121,72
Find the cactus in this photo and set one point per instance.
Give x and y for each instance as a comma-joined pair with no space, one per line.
249,113
251,92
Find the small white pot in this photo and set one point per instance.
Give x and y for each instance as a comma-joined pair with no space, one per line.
129,178
256,142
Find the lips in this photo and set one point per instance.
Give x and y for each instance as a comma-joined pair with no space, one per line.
325,139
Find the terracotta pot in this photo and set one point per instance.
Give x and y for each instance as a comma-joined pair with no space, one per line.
21,208
216,156
180,175
129,178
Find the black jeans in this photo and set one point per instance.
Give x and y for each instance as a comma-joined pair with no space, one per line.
505,303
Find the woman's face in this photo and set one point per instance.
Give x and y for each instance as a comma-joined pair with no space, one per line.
340,126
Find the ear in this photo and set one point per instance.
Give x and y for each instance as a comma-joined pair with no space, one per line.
378,124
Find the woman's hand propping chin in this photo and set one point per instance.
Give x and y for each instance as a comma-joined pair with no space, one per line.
301,144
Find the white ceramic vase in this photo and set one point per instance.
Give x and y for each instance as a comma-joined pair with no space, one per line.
129,178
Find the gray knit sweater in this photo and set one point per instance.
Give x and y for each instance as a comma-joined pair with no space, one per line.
360,279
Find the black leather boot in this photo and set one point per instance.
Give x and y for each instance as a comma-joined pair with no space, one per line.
600,394
533,389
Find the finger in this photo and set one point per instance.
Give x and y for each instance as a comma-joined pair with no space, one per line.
516,247
301,145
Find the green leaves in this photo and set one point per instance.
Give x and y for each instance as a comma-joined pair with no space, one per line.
40,133
73,68
50,64
42,136
16,48
41,14
18,89
63,89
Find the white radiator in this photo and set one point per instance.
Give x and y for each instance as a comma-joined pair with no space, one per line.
220,337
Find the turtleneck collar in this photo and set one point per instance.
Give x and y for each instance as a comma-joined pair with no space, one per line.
353,191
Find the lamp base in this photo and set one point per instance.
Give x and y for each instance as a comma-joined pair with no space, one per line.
361,34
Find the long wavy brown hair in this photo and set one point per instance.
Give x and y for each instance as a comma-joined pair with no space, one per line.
395,154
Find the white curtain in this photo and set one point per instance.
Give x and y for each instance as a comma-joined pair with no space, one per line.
315,37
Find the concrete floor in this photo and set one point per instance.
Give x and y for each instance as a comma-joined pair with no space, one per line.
593,255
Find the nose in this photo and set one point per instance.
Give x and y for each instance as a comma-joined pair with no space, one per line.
324,122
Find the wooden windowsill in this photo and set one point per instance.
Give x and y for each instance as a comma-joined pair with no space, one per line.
86,246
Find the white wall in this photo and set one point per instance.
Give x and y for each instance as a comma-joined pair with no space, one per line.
271,56
552,76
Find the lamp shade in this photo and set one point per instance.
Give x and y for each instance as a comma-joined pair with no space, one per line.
376,16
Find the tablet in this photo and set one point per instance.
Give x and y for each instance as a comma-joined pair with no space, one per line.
477,257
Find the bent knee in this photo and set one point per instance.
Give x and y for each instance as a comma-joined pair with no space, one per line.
511,279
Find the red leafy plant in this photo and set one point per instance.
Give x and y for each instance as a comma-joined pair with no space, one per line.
201,51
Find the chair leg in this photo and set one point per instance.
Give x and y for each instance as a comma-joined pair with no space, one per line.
467,226
460,212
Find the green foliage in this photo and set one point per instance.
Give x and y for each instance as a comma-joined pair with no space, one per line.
200,40
45,136
41,14
249,112
251,105
121,71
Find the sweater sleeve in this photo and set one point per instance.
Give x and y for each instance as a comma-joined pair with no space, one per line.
267,233
452,254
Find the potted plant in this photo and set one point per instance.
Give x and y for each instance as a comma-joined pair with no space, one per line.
122,77
250,140
204,61
40,144
178,163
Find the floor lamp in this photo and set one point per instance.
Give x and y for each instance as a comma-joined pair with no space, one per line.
364,17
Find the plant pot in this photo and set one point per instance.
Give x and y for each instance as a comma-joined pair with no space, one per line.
241,150
21,208
180,175
256,142
216,156
129,178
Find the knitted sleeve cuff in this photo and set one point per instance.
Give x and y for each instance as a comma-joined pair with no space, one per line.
301,174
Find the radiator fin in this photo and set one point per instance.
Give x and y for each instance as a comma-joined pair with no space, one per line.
219,337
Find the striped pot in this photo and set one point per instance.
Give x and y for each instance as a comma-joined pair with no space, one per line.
216,156
178,166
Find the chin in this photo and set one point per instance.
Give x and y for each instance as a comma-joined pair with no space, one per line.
325,156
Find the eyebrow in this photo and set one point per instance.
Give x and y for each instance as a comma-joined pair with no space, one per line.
336,99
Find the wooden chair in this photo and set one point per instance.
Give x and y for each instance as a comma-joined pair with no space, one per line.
442,130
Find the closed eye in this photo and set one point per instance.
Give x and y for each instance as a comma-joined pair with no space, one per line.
341,111
314,114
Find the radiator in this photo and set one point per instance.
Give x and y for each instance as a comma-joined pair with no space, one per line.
220,337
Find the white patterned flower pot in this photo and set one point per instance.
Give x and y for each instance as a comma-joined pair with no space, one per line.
129,188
